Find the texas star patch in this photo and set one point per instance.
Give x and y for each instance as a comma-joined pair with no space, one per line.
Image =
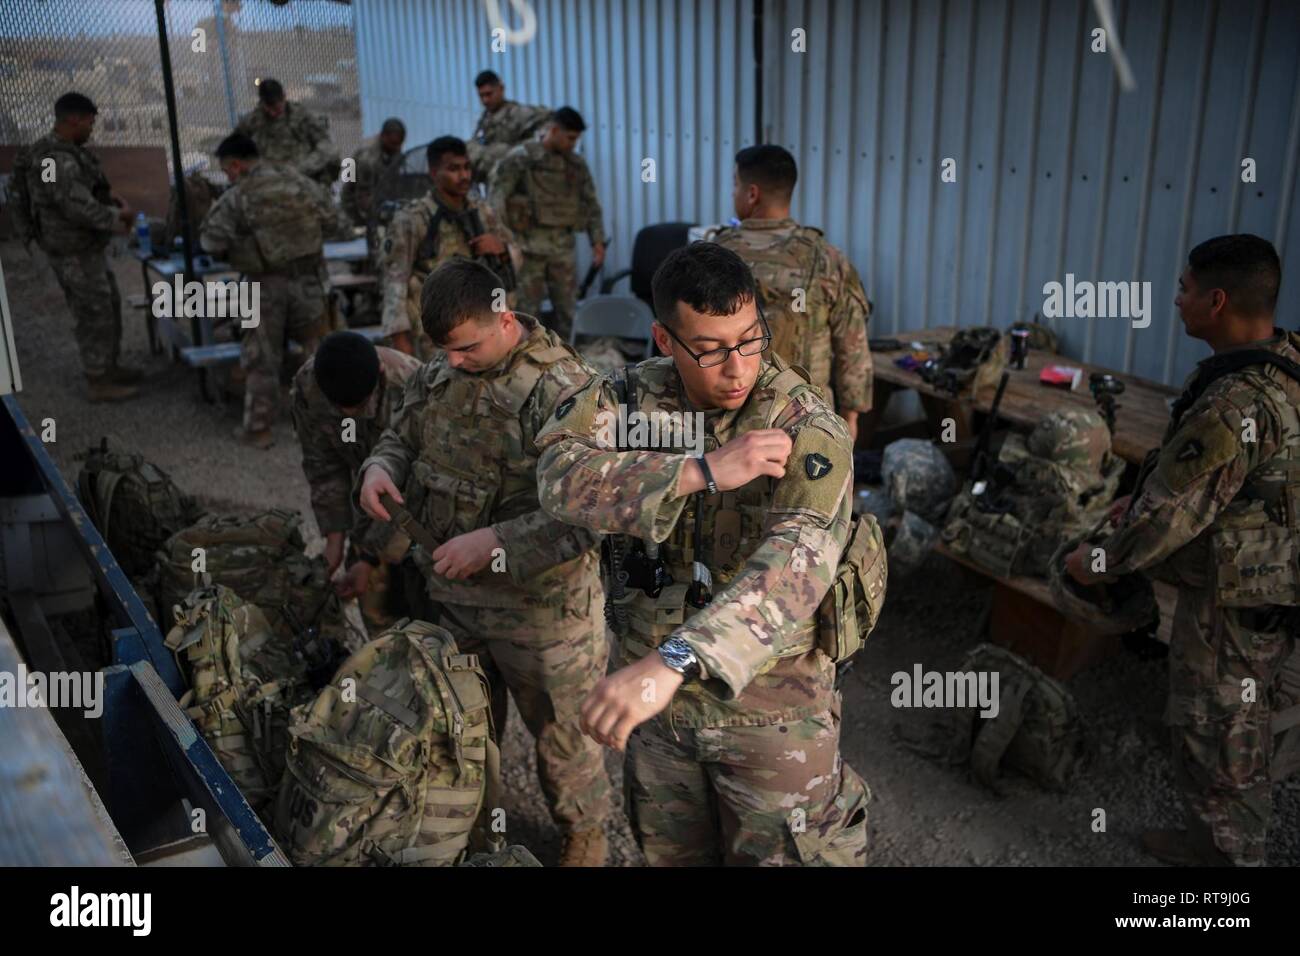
1190,451
817,466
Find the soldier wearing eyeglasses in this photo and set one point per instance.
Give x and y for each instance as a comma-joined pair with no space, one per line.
726,709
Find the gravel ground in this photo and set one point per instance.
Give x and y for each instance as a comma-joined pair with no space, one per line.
922,813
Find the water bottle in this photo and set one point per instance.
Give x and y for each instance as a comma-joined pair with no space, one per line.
142,237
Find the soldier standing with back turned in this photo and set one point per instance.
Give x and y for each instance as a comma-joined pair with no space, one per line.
1217,513
62,200
271,225
811,293
544,193
725,700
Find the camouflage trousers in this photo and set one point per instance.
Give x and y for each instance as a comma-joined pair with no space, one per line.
90,289
1222,741
777,795
292,305
549,659
551,274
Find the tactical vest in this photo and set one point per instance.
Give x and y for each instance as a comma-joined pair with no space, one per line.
474,469
55,234
1039,504
1255,538
283,219
788,260
552,196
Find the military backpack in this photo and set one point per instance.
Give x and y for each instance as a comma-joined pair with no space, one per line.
394,761
134,504
244,679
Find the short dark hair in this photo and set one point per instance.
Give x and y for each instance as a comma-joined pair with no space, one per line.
458,291
74,104
487,78
270,91
393,125
568,118
769,167
237,146
706,276
1245,267
346,367
443,145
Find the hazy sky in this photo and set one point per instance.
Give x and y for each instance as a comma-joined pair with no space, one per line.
36,18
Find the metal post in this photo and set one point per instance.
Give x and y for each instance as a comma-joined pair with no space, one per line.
220,19
178,169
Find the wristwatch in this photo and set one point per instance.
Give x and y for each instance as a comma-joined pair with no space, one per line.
677,654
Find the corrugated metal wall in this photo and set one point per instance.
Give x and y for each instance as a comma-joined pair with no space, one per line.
1057,170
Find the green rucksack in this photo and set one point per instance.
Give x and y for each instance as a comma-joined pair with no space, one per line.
394,762
1037,730
134,504
244,679
261,559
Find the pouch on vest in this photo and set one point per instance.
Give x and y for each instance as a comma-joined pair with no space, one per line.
851,607
1256,566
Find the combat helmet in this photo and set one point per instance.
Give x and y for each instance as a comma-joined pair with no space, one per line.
1118,607
1073,437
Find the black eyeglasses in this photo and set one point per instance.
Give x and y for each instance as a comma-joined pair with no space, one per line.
715,357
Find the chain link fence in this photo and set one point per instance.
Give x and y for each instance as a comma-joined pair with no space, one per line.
220,49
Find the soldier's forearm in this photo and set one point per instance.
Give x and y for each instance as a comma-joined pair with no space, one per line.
535,543
631,492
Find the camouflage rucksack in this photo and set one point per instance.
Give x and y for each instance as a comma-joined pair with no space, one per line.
243,681
394,761
1037,730
514,855
261,559
281,212
134,504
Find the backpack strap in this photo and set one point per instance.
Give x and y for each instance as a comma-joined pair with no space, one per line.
992,741
1217,366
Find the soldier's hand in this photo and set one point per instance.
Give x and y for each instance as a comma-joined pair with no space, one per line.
354,582
598,255
378,482
487,245
1118,508
626,699
333,552
125,213
741,460
1076,565
402,342
465,554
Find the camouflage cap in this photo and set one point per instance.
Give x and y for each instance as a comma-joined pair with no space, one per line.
1072,436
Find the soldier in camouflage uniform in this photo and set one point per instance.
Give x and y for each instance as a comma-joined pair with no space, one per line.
1217,512
725,705
428,231
62,200
290,133
271,225
811,293
374,158
545,193
513,585
343,398
503,125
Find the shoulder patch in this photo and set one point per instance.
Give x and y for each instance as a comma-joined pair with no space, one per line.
1201,445
815,474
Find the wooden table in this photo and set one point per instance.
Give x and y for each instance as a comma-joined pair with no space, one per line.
1142,412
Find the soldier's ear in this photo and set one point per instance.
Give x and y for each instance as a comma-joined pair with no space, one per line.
662,339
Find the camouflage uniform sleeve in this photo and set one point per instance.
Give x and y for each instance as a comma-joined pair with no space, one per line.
398,257
75,201
851,366
536,541
221,227
505,180
1200,468
396,448
492,223
591,202
582,481
771,602
324,153
328,475
334,221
